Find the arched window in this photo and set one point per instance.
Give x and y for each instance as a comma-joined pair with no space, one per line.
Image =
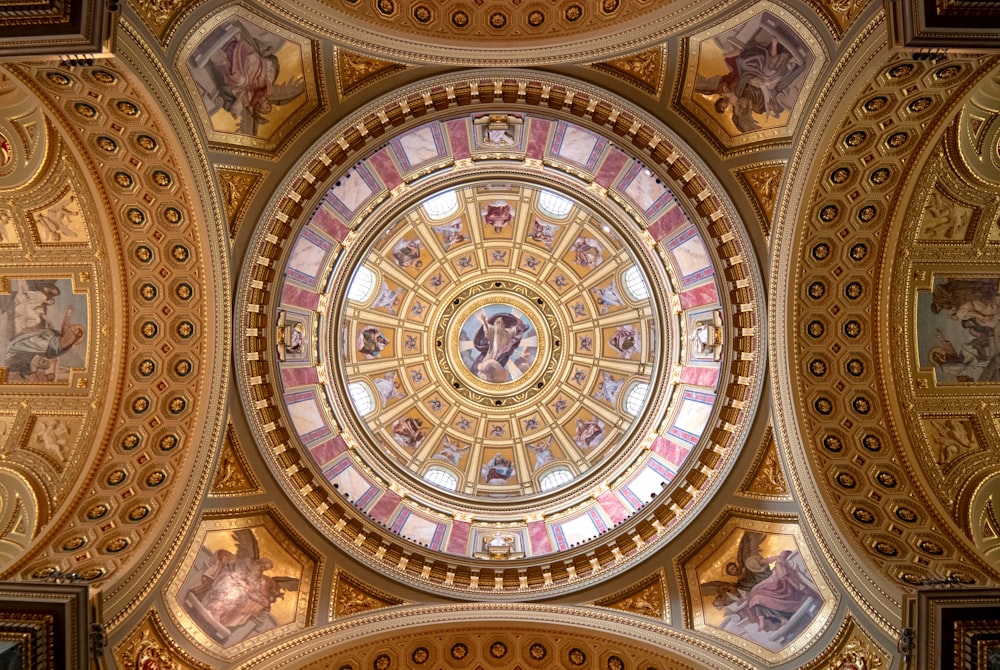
441,205
362,286
441,478
555,478
362,397
635,284
636,398
554,205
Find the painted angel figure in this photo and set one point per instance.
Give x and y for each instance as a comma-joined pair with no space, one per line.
387,387
543,452
609,388
451,451
748,568
451,233
608,297
234,590
387,298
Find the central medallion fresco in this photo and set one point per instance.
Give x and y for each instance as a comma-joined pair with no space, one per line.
504,343
498,343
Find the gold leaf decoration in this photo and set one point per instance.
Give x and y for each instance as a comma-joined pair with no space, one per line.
852,649
233,475
356,71
844,12
644,70
352,596
158,13
644,598
147,647
766,477
237,187
764,183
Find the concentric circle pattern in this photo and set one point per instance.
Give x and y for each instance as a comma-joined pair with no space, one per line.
503,346
500,336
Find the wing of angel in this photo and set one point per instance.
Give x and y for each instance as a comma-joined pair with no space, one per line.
286,583
282,94
246,544
749,546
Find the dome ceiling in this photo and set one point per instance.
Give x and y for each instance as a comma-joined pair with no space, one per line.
501,392
501,337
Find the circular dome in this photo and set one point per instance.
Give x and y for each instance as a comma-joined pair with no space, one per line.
497,334
499,339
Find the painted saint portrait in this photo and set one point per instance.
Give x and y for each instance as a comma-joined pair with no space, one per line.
408,432
957,330
625,341
43,331
498,470
406,253
498,344
291,338
587,252
589,433
371,341
498,215
750,76
250,79
764,592
233,592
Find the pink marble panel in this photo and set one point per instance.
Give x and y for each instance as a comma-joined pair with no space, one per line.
671,220
458,540
673,452
701,295
328,222
383,510
613,507
538,536
538,138
326,451
458,138
299,297
300,376
700,376
382,164
610,168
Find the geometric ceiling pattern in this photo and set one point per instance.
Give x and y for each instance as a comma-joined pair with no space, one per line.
411,334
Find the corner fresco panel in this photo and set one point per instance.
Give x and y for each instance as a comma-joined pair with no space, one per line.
746,77
254,81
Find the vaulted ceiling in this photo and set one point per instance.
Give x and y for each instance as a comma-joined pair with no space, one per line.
389,334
